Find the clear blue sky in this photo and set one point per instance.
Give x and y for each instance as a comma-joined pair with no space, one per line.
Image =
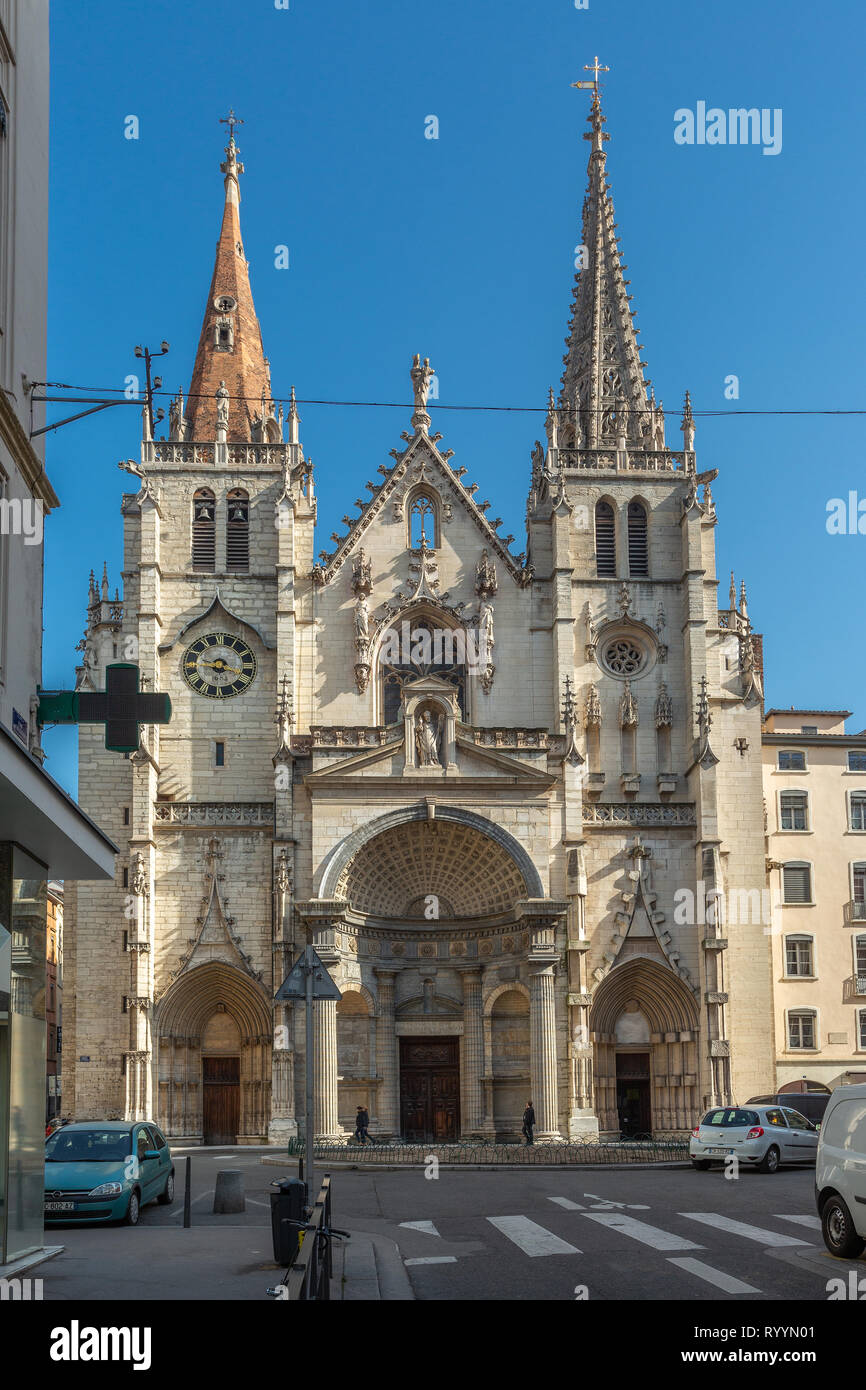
462,248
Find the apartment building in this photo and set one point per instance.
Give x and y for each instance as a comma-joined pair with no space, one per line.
815,800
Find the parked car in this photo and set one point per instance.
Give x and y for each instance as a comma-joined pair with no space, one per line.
763,1135
812,1104
840,1173
106,1170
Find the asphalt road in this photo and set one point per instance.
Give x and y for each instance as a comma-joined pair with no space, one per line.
650,1234
620,1235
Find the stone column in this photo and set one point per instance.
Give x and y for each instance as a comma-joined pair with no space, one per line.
386,1060
327,1124
542,1025
472,1053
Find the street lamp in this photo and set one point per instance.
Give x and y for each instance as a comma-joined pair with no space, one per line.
157,382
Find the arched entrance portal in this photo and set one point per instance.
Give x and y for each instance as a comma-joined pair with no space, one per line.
436,904
214,1057
644,1025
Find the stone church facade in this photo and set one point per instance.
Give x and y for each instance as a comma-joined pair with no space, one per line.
481,783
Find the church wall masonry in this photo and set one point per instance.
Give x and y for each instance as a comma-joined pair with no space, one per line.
485,842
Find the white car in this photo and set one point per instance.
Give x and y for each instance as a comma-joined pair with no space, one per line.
840,1172
763,1135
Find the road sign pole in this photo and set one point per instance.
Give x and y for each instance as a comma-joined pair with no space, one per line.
308,979
308,1061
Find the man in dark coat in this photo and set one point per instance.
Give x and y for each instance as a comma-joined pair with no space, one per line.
362,1121
529,1122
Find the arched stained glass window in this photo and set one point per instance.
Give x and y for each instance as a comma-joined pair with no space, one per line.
423,521
416,650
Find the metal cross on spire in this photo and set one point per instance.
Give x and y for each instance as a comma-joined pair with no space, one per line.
231,120
595,68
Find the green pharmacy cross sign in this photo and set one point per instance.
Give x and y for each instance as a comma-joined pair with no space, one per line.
121,707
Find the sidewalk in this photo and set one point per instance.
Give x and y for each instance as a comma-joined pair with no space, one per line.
229,1261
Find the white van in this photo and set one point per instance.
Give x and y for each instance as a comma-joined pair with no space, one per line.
840,1172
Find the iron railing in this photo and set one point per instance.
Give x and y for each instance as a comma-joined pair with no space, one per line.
470,1151
308,1278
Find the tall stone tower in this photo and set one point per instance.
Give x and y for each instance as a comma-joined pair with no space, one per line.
173,970
499,792
669,996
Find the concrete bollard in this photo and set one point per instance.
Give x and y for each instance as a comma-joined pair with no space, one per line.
228,1194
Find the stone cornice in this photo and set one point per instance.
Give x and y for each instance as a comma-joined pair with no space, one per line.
24,456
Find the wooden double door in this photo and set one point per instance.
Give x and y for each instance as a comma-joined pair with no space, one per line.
429,1089
633,1092
221,1097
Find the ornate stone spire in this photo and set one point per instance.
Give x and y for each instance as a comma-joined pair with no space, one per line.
687,424
603,395
230,347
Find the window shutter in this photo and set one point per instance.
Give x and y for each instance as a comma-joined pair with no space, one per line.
203,530
798,885
638,553
605,541
238,530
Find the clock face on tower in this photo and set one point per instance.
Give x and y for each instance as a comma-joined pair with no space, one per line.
219,665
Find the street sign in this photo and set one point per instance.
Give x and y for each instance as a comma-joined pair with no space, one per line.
121,707
294,986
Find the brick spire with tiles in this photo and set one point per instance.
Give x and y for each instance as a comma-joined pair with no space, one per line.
230,348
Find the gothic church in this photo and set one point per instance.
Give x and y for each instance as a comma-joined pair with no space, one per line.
474,779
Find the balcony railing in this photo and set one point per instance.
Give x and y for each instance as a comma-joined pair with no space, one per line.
644,460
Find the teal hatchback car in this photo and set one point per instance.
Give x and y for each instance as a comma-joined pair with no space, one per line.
106,1170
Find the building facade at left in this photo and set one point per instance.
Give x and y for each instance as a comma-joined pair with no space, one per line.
44,835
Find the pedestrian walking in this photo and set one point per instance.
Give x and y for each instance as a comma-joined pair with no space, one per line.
362,1121
529,1122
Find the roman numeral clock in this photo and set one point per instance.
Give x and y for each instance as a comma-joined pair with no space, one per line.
219,665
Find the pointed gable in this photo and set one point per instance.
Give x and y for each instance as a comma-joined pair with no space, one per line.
421,463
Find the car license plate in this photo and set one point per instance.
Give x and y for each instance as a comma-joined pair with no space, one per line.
718,1151
59,1206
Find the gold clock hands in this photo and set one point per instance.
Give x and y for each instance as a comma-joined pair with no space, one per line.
223,666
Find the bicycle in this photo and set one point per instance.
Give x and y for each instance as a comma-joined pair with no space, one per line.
324,1235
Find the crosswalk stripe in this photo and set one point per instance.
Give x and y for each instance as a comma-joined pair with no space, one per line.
741,1228
813,1222
640,1230
433,1260
531,1238
726,1282
426,1227
567,1203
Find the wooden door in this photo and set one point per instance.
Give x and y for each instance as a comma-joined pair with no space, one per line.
633,1092
429,1089
221,1091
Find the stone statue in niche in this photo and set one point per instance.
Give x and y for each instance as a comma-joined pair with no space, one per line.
362,618
485,575
175,416
139,875
427,736
361,572
222,397
485,628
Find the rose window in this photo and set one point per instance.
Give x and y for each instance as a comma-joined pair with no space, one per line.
623,657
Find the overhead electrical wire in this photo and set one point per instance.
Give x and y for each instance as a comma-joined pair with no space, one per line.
434,404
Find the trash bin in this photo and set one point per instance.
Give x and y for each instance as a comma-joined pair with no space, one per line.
287,1214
